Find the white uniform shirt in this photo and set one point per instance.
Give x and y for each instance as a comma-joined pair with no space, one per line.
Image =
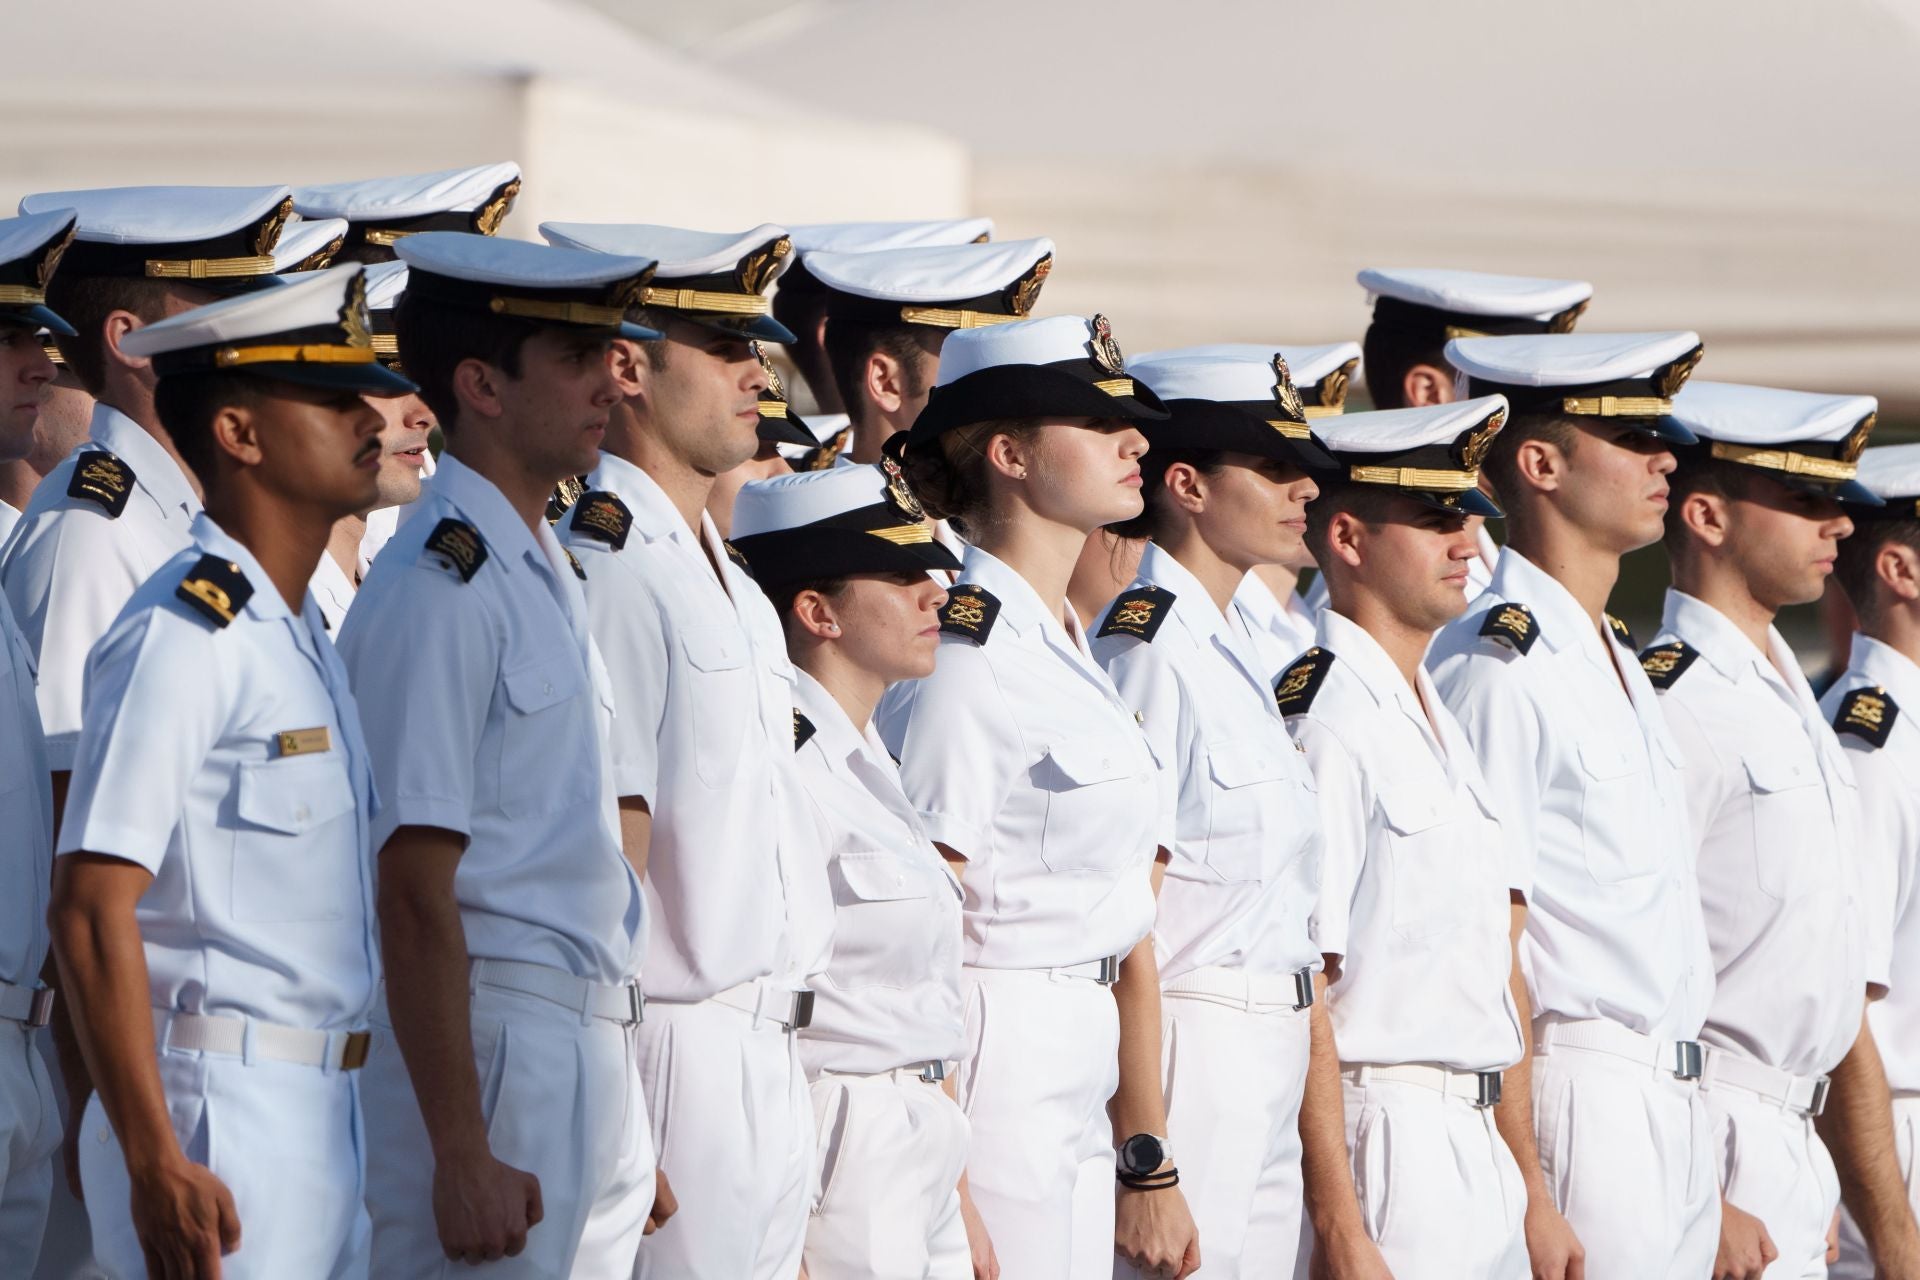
703,694
501,736
9,517
1282,630
1415,883
1019,755
1772,800
1890,845
1245,866
1480,568
71,565
332,590
890,996
1588,779
26,813
262,899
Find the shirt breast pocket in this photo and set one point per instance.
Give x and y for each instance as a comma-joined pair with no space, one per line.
882,920
296,847
1430,875
1258,809
1100,797
720,684
1791,823
546,719
1617,806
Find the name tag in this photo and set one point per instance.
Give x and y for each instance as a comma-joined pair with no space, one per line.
300,742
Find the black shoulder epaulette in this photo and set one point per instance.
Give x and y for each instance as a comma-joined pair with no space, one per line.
101,478
1137,613
802,730
579,570
739,557
1621,632
1512,625
1665,663
603,517
458,543
970,612
1298,685
216,589
1867,713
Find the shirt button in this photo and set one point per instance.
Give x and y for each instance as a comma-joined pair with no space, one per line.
301,813
548,687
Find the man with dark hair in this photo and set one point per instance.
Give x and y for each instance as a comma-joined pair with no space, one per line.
212,902
1418,310
507,1096
1585,774
1874,1107
1754,525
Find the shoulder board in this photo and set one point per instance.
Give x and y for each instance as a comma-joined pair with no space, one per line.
1665,663
970,611
1867,713
1512,625
101,478
1621,632
458,543
603,517
1296,688
802,730
579,570
216,589
738,556
1137,613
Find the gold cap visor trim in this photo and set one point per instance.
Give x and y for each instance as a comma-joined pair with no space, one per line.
562,312
949,318
1617,406
1323,410
1115,386
773,408
1416,478
208,268
386,345
1291,430
228,357
731,304
19,295
1794,464
904,535
1459,331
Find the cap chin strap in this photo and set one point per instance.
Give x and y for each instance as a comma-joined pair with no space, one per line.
312,353
209,268
1617,406
950,318
729,304
1416,478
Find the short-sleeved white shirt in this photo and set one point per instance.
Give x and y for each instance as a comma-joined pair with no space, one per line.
1589,781
1889,845
262,900
890,995
1415,884
501,736
9,517
70,566
1281,629
1773,802
26,813
703,727
1020,756
1245,841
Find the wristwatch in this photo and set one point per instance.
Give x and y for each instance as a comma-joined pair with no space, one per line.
1141,1154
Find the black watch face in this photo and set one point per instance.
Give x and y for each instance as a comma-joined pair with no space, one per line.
1141,1154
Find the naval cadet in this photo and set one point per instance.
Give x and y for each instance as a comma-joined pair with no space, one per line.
212,902
1419,897
380,212
1227,479
504,1082
1583,769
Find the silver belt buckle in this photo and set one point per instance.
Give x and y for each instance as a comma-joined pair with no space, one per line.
1109,971
1303,989
40,1011
1690,1059
1489,1091
802,1009
934,1072
636,1004
1819,1103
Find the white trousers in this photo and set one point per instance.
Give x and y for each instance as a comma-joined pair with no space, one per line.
733,1124
1855,1262
285,1139
891,1149
1439,1190
1044,1058
1627,1151
1233,1081
561,1095
29,1137
1774,1166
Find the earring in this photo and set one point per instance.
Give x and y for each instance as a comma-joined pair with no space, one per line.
833,628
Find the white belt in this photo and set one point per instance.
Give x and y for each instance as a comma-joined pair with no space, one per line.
765,1000
622,1004
1683,1059
250,1039
30,1006
1806,1095
1105,970
921,1072
1481,1088
1238,989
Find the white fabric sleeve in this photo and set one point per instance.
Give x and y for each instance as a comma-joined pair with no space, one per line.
1345,805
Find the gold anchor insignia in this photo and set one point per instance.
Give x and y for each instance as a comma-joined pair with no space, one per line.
1515,619
967,611
1027,288
105,472
494,212
269,233
1660,662
1284,393
1106,352
211,596
776,390
1856,441
1675,375
1867,710
1134,613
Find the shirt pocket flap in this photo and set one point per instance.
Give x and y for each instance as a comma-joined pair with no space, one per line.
880,877
294,796
1081,762
714,648
1408,810
1241,764
1602,759
1778,773
540,685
